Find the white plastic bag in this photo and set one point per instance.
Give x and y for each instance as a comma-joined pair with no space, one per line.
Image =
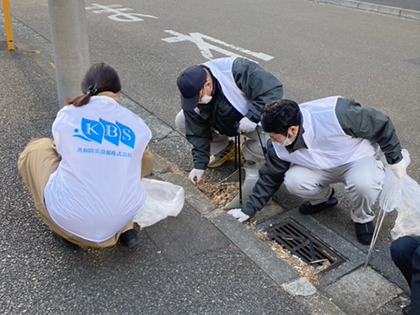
391,197
408,220
404,196
391,194
163,199
407,223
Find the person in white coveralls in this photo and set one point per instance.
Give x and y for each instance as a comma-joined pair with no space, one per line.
219,99
86,183
322,142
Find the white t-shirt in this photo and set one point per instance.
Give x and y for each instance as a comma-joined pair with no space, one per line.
96,189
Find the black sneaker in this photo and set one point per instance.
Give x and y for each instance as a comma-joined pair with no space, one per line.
307,208
129,238
406,309
364,232
63,242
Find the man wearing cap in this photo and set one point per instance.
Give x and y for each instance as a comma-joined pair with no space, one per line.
219,99
322,142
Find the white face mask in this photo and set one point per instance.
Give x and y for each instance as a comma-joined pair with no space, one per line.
205,99
286,141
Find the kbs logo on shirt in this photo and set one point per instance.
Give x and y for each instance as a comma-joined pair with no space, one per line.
98,131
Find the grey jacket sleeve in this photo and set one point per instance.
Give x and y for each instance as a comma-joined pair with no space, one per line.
198,133
370,124
271,176
260,86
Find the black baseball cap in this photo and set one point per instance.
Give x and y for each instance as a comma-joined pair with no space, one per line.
190,81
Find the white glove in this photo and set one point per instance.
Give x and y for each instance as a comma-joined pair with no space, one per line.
238,214
399,169
195,175
246,126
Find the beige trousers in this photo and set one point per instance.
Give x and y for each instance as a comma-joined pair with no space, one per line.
37,162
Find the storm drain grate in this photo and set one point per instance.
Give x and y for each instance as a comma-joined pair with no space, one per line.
302,243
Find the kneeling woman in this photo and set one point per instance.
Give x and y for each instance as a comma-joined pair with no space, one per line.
86,183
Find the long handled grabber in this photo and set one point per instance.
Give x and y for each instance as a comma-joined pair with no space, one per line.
247,177
238,159
238,162
400,194
378,226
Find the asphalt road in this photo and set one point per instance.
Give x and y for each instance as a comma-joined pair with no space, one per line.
316,50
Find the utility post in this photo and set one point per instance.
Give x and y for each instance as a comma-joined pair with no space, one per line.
71,45
8,25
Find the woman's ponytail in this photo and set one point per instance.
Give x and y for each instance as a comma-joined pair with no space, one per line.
99,78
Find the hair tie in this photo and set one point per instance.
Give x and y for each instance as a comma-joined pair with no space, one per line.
93,90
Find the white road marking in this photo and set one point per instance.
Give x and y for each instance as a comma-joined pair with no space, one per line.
119,14
205,48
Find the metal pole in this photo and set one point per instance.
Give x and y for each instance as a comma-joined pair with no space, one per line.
71,45
379,222
8,25
238,159
240,168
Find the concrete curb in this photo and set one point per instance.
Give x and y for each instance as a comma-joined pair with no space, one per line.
372,7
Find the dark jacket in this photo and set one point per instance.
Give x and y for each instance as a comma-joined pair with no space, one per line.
356,121
260,86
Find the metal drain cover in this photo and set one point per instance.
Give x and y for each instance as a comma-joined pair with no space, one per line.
302,243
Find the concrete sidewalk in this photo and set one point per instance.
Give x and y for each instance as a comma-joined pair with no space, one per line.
202,262
404,9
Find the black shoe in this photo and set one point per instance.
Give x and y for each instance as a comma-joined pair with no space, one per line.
63,242
364,232
406,309
129,238
307,208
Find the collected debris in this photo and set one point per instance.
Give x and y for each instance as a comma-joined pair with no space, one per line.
219,193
